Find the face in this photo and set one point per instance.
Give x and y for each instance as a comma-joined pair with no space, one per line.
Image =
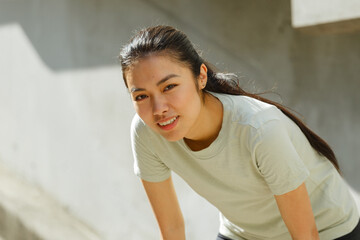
165,96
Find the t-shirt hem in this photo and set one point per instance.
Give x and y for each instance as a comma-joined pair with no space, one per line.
295,184
341,230
153,178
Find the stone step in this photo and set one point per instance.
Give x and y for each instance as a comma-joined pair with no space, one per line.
27,213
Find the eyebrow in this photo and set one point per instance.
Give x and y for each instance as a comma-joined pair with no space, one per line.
168,77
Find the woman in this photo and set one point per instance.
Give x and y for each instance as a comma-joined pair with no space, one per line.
268,174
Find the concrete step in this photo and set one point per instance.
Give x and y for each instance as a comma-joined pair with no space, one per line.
27,213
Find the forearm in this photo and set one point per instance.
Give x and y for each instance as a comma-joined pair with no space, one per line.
174,233
306,238
313,235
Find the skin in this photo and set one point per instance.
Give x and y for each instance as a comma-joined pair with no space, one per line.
165,205
295,209
162,89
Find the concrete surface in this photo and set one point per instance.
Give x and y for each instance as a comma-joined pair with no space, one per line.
27,213
65,115
324,16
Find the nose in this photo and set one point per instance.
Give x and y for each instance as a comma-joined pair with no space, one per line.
159,105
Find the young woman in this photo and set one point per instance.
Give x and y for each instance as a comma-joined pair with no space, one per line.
269,175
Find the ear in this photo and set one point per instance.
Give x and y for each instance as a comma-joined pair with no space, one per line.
202,80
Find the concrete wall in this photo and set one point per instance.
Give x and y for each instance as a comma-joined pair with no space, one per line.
65,114
326,16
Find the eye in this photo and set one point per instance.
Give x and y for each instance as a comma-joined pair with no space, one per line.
140,97
169,87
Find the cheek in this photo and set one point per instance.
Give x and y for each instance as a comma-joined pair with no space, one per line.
189,99
143,111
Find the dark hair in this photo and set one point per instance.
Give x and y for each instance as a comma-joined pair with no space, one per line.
166,40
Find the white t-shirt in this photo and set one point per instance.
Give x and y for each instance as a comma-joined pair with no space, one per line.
258,153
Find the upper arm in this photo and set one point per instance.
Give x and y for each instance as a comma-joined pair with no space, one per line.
277,158
166,208
296,211
144,144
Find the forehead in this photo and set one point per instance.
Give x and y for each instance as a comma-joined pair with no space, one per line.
153,68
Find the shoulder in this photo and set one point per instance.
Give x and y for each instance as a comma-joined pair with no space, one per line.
137,125
245,110
142,134
139,130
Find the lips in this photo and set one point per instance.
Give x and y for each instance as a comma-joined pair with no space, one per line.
168,124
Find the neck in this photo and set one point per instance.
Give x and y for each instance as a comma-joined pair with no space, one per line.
208,124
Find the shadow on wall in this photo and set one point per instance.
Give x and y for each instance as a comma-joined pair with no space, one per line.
72,34
81,34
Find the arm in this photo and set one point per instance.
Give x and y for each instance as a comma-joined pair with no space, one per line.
296,211
166,208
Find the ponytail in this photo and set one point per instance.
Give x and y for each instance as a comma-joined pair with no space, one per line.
228,83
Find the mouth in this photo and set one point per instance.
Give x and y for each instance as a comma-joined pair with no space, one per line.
168,124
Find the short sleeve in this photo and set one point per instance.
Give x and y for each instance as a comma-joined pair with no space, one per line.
147,164
276,157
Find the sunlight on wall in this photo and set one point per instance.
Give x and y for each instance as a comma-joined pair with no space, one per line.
356,196
16,39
